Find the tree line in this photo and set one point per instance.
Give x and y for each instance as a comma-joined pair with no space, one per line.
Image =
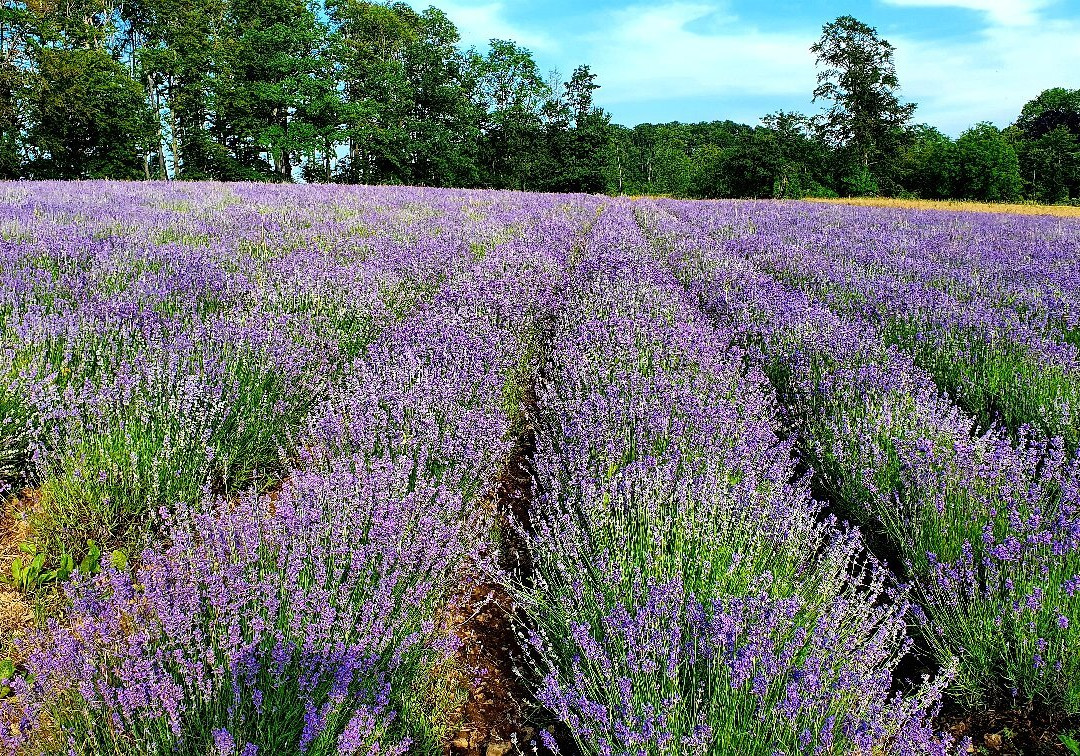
283,90
355,91
863,143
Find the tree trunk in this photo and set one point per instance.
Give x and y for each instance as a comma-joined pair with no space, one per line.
286,157
176,156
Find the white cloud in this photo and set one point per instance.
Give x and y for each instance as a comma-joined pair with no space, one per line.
480,22
990,75
672,52
649,52
998,12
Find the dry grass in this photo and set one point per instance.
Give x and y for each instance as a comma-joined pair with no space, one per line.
1062,211
16,612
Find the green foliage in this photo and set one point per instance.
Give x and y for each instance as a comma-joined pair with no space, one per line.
15,429
988,168
859,181
38,567
88,118
14,89
928,163
1049,145
7,673
1053,109
514,97
361,91
576,145
865,119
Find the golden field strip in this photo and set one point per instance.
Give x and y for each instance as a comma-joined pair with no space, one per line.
1063,211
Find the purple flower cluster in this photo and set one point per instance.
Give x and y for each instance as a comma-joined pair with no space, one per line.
304,621
986,522
987,307
687,593
291,405
168,340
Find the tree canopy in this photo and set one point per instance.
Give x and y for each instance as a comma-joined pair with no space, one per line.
378,92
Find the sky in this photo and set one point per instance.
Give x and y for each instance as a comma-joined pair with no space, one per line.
961,61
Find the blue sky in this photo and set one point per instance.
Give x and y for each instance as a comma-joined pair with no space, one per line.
962,61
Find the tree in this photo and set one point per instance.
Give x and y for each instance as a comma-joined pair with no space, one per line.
371,45
268,77
928,163
1049,145
1052,109
12,98
988,169
584,165
670,166
865,119
444,117
513,95
88,119
17,79
799,162
180,55
515,98
1050,164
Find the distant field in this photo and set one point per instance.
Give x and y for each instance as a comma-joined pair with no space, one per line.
385,471
1064,211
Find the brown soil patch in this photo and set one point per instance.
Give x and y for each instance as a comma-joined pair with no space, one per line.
16,615
492,714
494,711
1012,731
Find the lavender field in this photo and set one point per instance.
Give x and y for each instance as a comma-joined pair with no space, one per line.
348,470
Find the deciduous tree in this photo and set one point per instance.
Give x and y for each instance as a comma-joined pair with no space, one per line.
865,118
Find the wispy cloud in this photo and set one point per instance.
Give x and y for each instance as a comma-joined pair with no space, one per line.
479,22
658,53
686,49
998,12
697,59
988,75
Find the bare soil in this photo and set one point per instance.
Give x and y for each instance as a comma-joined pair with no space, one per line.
16,614
495,710
1011,731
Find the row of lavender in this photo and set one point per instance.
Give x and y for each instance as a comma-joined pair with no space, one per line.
298,408
304,620
165,343
687,596
986,521
989,306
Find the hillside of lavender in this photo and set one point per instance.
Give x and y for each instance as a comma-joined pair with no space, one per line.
802,478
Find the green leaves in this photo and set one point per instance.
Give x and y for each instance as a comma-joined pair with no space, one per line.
33,569
89,119
28,571
7,672
865,118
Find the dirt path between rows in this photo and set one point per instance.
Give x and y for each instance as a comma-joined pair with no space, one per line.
496,714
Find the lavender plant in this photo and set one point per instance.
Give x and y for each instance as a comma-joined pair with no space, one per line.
985,526
686,595
293,401
299,624
996,362
305,622
178,344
